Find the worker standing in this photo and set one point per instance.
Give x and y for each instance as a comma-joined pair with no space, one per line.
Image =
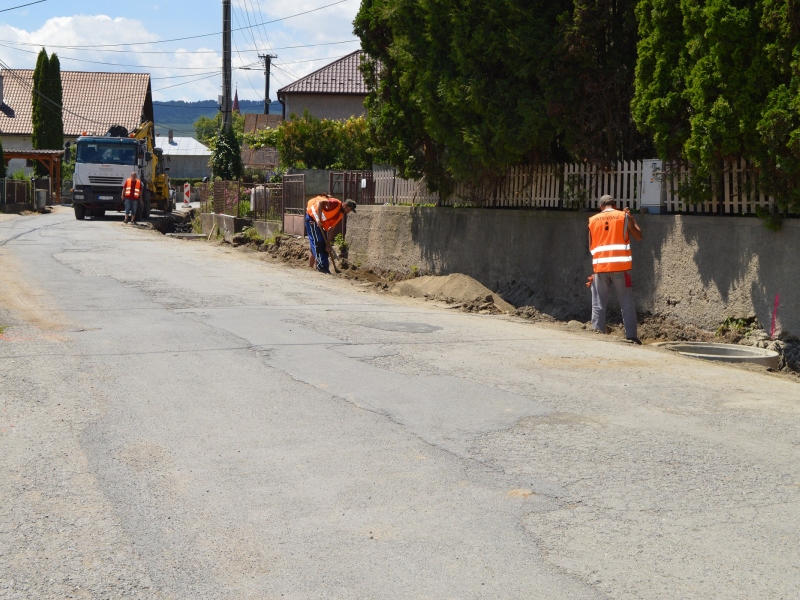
131,191
323,214
610,233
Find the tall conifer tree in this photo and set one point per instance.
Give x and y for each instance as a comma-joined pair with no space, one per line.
54,112
38,119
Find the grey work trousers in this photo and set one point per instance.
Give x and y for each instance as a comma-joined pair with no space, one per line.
601,289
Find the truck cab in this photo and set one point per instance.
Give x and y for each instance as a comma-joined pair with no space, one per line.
102,164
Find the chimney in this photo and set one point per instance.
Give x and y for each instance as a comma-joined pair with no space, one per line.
170,136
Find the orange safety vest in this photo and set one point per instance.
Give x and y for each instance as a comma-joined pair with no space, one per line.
610,242
329,218
133,189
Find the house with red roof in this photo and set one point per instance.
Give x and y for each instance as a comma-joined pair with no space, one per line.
336,91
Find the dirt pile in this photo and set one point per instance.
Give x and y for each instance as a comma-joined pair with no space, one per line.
179,221
458,289
787,345
533,315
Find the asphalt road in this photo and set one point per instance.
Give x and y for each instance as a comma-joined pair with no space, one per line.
181,420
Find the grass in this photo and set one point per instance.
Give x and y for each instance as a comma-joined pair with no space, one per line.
252,234
197,225
740,325
2,329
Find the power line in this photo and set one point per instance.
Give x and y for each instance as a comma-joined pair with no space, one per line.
171,52
22,6
246,74
193,37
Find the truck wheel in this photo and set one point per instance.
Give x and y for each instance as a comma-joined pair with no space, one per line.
80,212
145,210
138,211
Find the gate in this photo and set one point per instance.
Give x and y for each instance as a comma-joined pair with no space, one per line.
293,199
353,185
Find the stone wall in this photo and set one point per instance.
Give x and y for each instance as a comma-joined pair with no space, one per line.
696,269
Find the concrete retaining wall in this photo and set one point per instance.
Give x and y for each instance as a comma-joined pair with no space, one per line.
231,225
696,269
267,229
225,224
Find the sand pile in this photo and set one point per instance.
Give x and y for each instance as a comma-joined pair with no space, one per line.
457,288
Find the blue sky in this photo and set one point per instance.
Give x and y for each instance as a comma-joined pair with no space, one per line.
187,69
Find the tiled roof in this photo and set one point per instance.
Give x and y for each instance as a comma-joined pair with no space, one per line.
340,77
92,101
256,122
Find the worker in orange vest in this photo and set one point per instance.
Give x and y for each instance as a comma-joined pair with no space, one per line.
323,214
131,191
610,233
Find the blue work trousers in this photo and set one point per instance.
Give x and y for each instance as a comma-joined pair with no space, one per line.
316,239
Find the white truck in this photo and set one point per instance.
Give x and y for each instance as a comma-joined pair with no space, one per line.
103,163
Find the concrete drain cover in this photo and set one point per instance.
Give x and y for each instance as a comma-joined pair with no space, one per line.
404,327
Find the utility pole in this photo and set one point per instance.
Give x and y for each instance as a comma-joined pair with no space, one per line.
226,65
267,58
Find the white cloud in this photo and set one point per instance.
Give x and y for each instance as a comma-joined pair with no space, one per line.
179,74
95,31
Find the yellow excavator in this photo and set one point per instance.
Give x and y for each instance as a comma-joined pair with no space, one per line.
155,173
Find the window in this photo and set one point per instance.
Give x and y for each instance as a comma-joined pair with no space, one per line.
107,154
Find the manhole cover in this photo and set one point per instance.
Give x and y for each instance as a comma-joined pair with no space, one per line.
726,353
404,327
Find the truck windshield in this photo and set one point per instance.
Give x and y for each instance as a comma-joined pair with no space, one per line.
98,152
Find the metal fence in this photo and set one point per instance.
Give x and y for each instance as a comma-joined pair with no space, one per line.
15,191
355,185
294,203
266,202
227,199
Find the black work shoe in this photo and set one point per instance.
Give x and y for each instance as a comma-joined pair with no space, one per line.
636,341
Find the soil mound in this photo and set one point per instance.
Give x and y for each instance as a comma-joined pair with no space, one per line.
455,288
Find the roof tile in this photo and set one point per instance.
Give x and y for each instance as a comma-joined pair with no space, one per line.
340,77
92,101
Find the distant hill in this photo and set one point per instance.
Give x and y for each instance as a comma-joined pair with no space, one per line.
180,116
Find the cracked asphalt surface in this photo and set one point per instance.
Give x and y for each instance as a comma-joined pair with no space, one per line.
181,420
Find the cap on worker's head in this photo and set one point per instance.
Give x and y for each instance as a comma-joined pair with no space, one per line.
351,204
607,200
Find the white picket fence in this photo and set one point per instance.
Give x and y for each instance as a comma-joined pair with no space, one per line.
579,185
739,193
525,186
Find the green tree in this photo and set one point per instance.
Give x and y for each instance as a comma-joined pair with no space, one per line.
207,129
716,81
54,111
226,160
39,106
590,81
310,143
463,90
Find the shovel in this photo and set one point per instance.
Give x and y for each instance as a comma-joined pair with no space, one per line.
333,260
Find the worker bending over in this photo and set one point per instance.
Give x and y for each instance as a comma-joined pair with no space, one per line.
131,191
610,234
323,214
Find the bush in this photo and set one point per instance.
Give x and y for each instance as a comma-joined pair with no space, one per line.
226,162
310,143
